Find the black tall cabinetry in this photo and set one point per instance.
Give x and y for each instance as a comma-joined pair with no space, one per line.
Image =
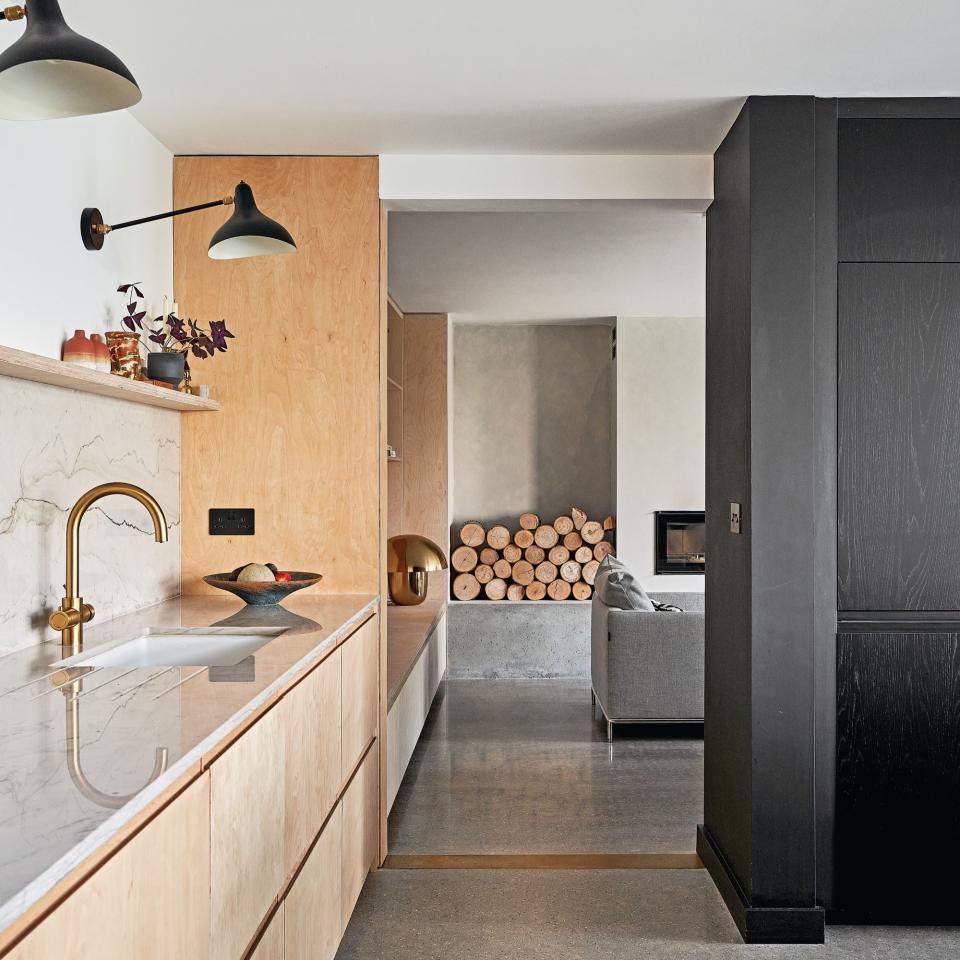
898,448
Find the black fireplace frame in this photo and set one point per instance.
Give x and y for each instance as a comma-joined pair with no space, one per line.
662,519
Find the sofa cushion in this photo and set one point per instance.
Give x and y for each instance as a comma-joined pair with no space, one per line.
617,587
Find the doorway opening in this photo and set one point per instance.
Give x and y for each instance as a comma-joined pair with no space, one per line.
561,401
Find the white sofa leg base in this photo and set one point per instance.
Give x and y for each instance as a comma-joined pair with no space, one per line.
610,731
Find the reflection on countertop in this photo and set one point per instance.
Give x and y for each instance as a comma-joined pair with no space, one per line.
123,720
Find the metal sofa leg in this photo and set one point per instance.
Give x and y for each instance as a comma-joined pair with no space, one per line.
593,697
610,731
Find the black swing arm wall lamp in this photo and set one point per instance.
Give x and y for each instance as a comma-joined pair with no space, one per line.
247,233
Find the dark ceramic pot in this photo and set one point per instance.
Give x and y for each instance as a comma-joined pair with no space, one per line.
167,367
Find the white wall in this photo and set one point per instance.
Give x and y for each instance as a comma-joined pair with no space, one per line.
59,443
660,435
406,180
50,284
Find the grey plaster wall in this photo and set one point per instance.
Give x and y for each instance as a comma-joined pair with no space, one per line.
531,420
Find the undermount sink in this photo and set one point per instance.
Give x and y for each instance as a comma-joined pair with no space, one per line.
197,647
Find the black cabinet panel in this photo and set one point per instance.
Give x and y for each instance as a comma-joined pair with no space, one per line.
898,776
899,437
900,190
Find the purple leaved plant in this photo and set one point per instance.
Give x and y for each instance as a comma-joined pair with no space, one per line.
133,318
170,333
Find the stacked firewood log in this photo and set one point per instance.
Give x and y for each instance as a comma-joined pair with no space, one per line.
557,560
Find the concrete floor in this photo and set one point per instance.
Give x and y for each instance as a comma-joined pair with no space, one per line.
520,766
595,914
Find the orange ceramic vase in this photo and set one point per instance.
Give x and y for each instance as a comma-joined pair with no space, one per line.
79,350
101,355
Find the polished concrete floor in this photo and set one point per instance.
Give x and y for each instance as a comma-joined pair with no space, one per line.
521,766
581,914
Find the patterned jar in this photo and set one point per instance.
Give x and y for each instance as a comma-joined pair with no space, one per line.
124,353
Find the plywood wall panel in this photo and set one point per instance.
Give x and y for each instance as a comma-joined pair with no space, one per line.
297,437
425,426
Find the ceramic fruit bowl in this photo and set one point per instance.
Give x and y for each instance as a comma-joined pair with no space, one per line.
263,592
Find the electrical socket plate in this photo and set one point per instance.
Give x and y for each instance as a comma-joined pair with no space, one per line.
231,522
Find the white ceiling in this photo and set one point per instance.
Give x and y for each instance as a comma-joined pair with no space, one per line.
536,76
614,259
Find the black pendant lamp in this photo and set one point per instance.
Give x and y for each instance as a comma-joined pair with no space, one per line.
248,232
51,71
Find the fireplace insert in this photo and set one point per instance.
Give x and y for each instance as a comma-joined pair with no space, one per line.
680,541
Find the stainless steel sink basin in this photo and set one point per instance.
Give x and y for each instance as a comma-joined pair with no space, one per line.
196,647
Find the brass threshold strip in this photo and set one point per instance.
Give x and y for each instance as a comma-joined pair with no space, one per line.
544,861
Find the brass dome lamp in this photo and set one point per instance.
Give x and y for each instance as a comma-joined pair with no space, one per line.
410,558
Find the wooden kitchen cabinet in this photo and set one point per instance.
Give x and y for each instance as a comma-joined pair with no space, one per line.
311,728
270,946
246,835
149,901
360,671
314,919
361,823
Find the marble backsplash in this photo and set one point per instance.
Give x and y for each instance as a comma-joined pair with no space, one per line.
56,444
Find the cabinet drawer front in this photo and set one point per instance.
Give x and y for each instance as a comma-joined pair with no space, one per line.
246,835
151,900
360,670
360,831
311,724
314,918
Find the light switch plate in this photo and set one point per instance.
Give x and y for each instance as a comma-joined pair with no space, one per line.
734,517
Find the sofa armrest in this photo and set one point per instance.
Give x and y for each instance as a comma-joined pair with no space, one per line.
655,665
599,642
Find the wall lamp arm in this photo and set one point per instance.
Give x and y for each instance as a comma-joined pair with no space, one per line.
93,229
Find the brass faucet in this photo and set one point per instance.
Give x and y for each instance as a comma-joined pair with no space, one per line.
73,612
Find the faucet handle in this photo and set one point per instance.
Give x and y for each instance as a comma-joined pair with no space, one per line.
63,619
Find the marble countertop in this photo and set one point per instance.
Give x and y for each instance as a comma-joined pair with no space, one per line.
50,819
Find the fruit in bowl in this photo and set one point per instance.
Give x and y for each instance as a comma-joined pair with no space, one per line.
262,583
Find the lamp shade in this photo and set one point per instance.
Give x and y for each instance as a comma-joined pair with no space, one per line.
411,552
248,232
51,71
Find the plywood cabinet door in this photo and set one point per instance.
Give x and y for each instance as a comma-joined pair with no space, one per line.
360,831
150,901
246,835
360,670
270,946
311,728
314,921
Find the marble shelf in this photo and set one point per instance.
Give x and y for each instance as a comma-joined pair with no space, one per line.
31,366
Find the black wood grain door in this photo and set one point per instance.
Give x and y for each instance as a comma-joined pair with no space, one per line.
898,776
899,437
899,190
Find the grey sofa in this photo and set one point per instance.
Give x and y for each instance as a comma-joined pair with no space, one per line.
648,666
